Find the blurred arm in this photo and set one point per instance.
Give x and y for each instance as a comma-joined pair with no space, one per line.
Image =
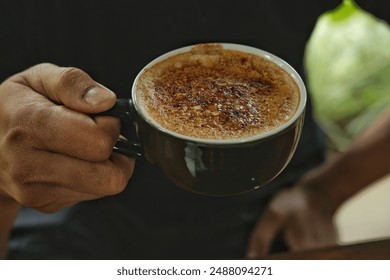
303,214
367,160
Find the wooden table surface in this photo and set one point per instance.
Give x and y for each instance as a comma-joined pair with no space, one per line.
371,250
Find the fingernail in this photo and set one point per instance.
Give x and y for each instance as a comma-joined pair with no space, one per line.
97,95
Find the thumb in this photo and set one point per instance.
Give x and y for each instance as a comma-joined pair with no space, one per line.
71,87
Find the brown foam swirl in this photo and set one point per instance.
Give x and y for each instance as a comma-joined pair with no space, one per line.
213,93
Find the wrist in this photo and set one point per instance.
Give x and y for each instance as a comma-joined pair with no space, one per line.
331,183
9,210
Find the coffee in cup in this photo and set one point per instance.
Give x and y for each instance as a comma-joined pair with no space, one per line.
214,93
216,119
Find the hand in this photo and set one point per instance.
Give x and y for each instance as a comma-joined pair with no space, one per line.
52,154
301,215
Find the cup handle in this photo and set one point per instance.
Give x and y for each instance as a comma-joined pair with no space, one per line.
126,144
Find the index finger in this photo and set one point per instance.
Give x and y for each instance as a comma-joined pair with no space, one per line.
69,86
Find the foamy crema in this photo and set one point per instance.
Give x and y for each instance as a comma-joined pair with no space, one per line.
210,92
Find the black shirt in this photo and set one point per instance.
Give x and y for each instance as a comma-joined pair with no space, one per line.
112,41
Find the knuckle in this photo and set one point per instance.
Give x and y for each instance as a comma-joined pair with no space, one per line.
32,201
112,183
114,188
30,195
118,183
15,153
43,116
17,136
20,118
17,170
31,122
101,146
104,147
25,196
38,69
71,77
69,74
21,178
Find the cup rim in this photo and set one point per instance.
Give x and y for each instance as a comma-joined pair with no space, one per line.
231,141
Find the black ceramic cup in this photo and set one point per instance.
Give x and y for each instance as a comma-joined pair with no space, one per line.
212,167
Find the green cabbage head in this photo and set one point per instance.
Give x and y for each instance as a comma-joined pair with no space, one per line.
347,62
